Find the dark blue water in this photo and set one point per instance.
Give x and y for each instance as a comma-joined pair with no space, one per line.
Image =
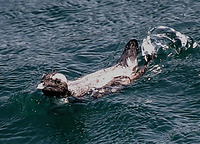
77,37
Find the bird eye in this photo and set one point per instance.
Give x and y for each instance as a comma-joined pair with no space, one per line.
57,81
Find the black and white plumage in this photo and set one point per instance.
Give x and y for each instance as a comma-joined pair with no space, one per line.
100,82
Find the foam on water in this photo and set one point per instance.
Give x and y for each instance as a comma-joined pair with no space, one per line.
78,37
163,37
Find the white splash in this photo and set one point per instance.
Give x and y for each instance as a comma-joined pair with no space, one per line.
163,37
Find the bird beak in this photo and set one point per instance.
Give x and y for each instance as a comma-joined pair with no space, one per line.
40,86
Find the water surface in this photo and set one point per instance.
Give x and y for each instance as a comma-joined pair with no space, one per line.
79,37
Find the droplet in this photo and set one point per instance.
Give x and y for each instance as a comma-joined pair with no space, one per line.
195,44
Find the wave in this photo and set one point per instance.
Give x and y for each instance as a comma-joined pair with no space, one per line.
167,39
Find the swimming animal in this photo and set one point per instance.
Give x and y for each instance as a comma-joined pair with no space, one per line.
99,83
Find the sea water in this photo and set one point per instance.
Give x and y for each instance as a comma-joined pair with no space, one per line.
82,36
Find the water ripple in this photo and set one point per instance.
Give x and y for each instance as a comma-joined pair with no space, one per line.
79,37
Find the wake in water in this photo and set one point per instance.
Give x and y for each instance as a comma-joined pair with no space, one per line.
165,38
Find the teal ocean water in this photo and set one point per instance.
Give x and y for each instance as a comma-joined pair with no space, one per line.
78,37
